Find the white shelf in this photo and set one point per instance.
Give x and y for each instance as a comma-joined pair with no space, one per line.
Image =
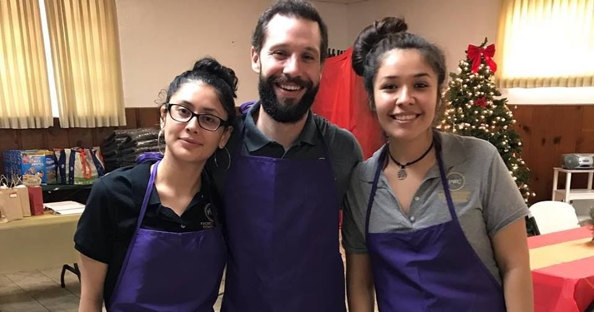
568,194
575,194
573,170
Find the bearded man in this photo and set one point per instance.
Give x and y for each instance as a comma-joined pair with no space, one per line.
283,176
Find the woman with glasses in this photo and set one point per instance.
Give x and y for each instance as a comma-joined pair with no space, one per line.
149,237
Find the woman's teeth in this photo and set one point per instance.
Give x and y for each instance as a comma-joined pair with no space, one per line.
405,117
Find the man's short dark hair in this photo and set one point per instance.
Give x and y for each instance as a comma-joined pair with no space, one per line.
290,8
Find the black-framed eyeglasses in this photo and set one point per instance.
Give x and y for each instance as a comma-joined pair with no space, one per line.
209,122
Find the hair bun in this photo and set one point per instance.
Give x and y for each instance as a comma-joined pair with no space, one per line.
371,36
391,25
213,67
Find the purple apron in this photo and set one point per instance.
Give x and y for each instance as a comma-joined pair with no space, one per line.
431,269
282,233
165,271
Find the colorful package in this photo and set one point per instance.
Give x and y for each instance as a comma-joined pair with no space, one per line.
79,166
25,165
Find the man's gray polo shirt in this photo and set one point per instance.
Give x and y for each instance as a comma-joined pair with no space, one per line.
344,150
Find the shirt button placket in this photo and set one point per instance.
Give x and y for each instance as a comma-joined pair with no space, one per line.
412,218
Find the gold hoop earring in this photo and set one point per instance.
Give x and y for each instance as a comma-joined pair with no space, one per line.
228,156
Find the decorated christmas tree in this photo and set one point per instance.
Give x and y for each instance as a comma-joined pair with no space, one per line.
475,108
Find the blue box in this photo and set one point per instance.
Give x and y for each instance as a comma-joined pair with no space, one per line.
26,164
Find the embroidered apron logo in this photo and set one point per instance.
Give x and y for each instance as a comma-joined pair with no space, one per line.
209,215
208,212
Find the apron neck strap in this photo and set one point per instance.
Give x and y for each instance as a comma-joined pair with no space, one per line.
446,188
380,164
147,195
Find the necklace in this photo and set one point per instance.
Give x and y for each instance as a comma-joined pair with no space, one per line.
402,172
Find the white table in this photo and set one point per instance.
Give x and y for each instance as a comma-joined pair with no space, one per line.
568,193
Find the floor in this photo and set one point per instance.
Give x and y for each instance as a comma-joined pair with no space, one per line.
40,291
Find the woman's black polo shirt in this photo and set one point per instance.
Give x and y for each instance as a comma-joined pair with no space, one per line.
108,222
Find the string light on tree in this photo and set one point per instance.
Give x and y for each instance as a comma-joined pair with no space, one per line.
475,108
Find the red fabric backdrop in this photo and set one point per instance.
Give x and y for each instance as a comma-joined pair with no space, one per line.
343,101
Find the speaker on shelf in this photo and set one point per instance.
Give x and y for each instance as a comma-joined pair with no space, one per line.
577,161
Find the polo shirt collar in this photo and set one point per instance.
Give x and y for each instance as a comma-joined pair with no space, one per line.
139,177
453,153
255,139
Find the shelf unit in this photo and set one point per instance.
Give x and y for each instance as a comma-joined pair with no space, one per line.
568,194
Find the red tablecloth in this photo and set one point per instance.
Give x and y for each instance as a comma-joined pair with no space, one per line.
566,286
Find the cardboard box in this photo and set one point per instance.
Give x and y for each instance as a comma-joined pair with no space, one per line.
26,164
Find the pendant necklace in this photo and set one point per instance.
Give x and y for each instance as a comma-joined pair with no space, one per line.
402,172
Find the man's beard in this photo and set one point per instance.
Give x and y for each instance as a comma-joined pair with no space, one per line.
289,111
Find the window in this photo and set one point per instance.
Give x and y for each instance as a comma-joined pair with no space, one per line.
24,91
48,58
546,43
63,60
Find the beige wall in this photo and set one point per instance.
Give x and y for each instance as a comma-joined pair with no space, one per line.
360,15
161,38
451,24
334,14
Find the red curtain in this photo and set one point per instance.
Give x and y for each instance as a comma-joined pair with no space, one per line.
343,101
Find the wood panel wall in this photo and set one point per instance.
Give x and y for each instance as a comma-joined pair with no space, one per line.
56,137
547,131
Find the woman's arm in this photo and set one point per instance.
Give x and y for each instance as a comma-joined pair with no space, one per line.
504,212
92,278
360,290
511,252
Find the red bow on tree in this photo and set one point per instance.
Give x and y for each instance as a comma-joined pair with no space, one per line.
482,102
475,53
